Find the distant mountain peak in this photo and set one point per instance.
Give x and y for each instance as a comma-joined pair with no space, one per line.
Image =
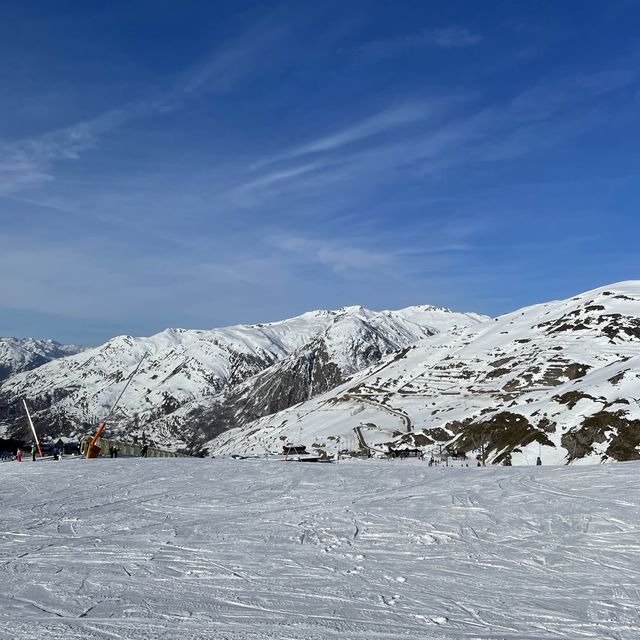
193,369
557,379
23,354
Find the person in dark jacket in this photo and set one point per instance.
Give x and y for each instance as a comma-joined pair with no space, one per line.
143,451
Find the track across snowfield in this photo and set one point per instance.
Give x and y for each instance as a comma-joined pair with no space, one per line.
225,549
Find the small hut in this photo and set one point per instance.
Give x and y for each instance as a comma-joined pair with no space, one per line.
405,453
294,450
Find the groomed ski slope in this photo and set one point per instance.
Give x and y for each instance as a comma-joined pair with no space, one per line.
226,549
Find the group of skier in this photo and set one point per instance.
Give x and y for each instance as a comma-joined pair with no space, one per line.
113,452
55,453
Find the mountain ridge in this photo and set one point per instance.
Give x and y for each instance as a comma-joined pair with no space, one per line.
23,354
555,378
186,368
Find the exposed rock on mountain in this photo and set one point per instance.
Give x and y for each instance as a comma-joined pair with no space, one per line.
355,339
559,380
194,384
23,354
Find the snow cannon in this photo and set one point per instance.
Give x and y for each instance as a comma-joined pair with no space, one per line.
93,450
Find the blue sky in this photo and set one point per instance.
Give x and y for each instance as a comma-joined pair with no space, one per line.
197,164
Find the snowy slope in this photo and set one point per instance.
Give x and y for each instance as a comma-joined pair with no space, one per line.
560,379
198,549
354,339
187,372
23,354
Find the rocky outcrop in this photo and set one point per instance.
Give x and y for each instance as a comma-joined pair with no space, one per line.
558,379
195,384
24,354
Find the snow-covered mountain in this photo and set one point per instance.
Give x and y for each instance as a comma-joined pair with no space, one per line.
354,339
560,380
23,354
194,384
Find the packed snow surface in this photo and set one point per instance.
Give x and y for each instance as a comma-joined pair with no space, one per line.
194,549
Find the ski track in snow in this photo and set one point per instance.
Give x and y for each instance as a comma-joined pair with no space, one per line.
225,549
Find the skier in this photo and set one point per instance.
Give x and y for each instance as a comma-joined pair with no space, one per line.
19,455
538,461
143,451
33,452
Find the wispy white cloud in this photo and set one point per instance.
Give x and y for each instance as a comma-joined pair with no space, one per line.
340,257
378,256
374,163
31,160
274,177
451,37
538,118
214,216
233,62
548,97
379,123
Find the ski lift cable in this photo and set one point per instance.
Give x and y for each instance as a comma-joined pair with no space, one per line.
103,424
53,383
115,404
